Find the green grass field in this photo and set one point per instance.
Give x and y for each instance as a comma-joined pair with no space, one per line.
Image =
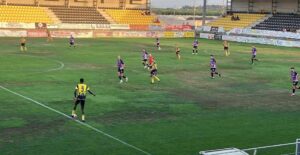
185,113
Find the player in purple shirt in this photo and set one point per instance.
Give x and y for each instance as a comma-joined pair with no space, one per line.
158,43
294,79
213,67
195,46
145,58
121,67
72,41
254,52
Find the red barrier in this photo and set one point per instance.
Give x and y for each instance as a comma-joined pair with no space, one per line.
178,27
68,33
37,33
97,34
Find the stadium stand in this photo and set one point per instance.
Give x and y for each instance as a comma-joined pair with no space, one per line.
245,21
280,22
138,17
80,15
24,14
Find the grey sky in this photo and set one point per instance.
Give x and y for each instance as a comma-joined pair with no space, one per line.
179,3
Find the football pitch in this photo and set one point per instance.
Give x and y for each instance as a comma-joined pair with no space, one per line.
187,112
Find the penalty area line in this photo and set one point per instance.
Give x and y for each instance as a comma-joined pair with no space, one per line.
79,122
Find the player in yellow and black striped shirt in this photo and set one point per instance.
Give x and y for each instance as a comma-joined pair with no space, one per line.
153,72
79,96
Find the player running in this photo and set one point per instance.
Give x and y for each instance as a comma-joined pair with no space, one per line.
150,61
195,46
178,53
294,79
213,67
49,37
121,67
254,52
158,44
23,45
145,58
226,48
79,97
153,72
72,41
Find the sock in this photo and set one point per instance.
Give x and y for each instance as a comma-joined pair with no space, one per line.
73,112
212,74
294,90
120,77
124,77
152,80
156,78
83,117
196,51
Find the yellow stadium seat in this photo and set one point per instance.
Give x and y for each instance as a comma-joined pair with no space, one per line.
131,17
24,14
245,20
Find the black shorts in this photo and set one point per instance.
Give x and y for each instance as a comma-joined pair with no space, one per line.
81,102
121,71
213,70
153,72
295,83
157,44
253,56
145,60
226,48
195,47
72,43
23,44
177,53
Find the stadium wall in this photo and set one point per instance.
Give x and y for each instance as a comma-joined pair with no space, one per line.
59,33
93,30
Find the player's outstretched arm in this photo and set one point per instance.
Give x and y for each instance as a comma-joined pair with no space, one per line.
91,93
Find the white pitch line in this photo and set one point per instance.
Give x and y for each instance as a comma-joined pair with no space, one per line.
62,65
79,122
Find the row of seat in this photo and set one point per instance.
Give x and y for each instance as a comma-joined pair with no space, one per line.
245,20
88,15
132,17
280,22
79,15
24,14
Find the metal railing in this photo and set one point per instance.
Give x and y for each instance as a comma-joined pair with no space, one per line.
255,150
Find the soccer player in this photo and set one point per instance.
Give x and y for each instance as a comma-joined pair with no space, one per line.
72,41
254,52
213,67
195,46
121,67
79,96
158,43
23,44
178,53
150,61
153,72
49,37
294,79
145,58
226,48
